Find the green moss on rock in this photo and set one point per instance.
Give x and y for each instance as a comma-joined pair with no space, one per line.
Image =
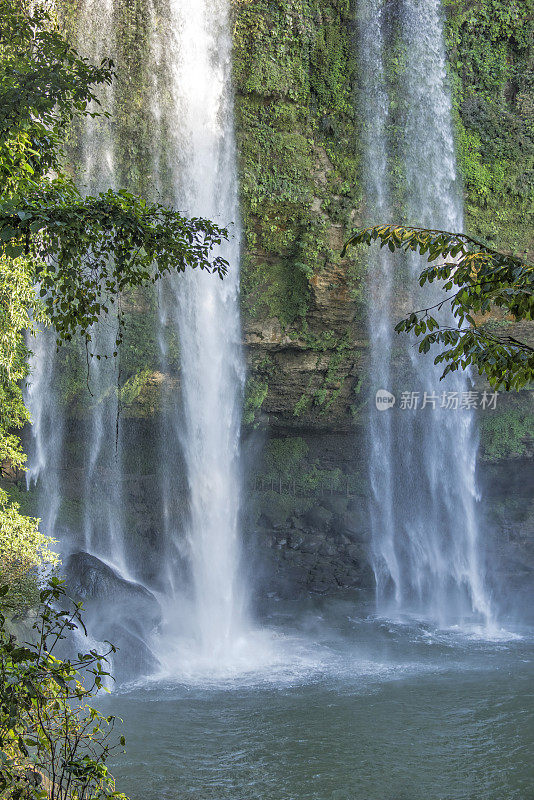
490,48
508,431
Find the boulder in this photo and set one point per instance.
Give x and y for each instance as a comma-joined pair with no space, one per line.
116,610
318,517
95,582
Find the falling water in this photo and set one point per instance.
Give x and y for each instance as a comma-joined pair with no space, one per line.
100,479
426,550
200,156
375,107
187,107
45,450
103,508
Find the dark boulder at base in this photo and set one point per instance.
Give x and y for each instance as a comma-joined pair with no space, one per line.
310,545
116,610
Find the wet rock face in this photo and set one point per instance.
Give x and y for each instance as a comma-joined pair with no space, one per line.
321,547
96,582
299,375
507,520
115,610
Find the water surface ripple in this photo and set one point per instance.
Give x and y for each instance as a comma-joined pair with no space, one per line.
349,706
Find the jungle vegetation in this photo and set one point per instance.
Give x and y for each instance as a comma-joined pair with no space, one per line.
82,253
475,279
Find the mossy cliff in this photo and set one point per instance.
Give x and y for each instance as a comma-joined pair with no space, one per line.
490,49
304,309
297,128
298,132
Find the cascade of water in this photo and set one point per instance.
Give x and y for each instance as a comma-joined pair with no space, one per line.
45,448
99,484
427,555
375,113
103,508
199,158
188,105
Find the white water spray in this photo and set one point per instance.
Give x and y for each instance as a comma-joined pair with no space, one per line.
99,483
427,554
201,155
375,104
189,108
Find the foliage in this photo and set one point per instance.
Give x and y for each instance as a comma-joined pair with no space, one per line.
132,94
294,69
287,462
86,250
18,306
141,347
332,357
490,53
507,433
24,551
22,547
52,743
91,250
329,479
132,388
285,458
44,83
255,394
480,279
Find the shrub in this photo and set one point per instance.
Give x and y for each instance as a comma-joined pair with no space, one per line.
52,743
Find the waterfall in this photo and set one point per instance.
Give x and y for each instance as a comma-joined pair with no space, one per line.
187,107
193,106
102,474
99,531
426,549
45,448
380,265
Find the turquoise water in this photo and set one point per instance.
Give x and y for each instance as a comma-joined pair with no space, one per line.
348,707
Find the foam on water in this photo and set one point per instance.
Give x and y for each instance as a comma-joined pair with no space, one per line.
299,646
